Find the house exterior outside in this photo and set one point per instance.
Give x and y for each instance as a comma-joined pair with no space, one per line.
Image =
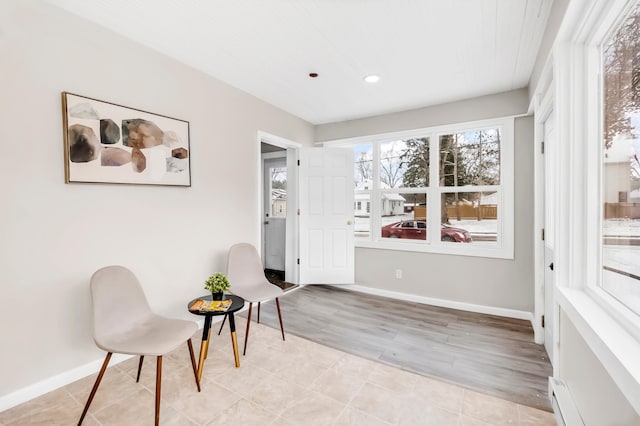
278,203
621,202
392,204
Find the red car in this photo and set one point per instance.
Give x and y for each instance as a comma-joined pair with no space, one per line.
417,230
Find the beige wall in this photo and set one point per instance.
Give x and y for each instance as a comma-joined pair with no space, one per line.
596,396
500,283
54,236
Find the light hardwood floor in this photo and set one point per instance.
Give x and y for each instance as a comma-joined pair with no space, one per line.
297,382
487,353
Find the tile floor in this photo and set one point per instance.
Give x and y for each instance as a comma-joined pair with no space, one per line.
296,382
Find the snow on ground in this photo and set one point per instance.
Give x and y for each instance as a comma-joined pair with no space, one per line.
622,258
620,276
485,226
621,228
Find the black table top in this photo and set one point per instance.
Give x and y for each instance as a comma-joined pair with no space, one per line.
236,304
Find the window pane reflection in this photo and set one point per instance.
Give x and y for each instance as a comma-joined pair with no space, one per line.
621,165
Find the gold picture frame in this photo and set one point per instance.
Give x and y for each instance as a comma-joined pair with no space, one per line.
110,143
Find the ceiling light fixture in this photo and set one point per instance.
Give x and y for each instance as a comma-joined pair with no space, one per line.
372,78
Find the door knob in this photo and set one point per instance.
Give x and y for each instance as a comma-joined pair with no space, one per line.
551,266
349,222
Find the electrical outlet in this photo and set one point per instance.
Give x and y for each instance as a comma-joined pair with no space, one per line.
398,273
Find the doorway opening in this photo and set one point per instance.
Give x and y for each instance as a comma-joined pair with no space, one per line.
274,211
278,205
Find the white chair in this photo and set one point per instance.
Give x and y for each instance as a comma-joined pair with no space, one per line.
246,275
124,323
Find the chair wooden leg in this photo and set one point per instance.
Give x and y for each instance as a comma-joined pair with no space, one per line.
246,333
95,387
139,368
280,317
193,363
158,381
259,312
222,325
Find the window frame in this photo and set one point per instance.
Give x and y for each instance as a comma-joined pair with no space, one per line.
610,329
616,307
602,28
503,248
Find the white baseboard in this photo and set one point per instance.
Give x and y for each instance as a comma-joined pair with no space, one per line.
52,383
482,309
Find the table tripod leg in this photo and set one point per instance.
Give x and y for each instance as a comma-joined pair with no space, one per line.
206,354
234,341
204,345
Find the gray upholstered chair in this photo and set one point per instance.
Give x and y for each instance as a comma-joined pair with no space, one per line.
246,275
124,323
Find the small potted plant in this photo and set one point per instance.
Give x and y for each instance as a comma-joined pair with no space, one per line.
217,284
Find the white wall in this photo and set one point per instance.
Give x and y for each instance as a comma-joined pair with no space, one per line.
496,283
53,236
598,400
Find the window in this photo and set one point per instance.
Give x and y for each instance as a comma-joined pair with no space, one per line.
403,182
471,159
589,99
620,195
278,191
447,189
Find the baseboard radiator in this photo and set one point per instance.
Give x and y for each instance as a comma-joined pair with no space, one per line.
564,409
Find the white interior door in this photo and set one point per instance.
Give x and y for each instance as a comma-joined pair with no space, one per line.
549,230
326,216
275,211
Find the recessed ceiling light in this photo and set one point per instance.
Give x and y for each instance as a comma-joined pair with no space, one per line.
372,78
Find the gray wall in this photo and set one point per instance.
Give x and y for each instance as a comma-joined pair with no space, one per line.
54,236
482,281
503,104
598,399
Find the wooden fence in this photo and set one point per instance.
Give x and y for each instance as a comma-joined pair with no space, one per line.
463,211
622,210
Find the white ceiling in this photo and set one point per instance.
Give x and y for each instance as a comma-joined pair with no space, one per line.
426,51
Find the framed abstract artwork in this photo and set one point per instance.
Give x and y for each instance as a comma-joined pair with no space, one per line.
110,143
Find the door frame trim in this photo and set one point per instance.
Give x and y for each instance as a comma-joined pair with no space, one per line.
268,158
543,106
292,234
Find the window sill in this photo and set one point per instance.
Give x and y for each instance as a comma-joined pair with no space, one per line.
616,348
457,249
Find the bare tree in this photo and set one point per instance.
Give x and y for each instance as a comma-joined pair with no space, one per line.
622,78
363,167
392,163
279,177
